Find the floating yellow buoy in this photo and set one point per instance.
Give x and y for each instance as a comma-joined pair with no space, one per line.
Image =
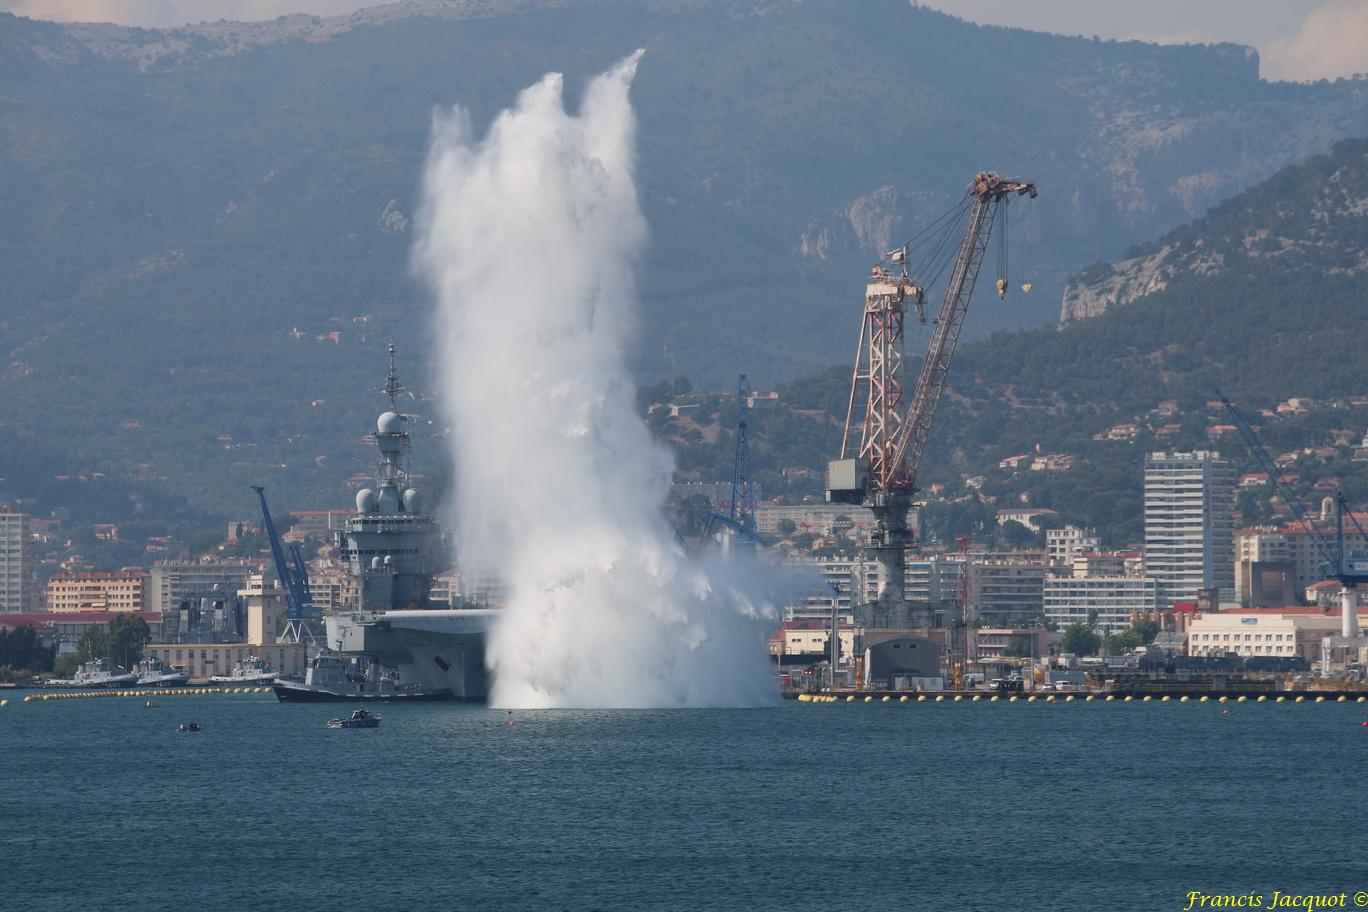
1026,287
1031,698
850,698
993,698
1146,698
1320,699
1300,699
1340,699
869,699
1165,698
803,698
1183,698
1012,699
1069,698
4,702
1261,699
1110,698
902,699
958,697
1361,699
940,698
975,699
1088,698
1241,698
1280,699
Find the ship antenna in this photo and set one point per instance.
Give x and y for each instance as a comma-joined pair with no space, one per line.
392,386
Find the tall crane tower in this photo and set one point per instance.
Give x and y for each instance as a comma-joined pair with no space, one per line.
885,431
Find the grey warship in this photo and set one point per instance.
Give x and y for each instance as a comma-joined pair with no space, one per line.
394,549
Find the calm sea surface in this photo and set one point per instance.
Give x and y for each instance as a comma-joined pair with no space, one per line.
104,806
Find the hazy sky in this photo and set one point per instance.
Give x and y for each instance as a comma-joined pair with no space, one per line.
1297,39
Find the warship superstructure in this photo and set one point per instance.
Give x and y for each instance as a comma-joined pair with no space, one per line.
394,548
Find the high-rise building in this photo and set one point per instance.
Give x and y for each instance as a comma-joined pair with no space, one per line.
1189,524
1063,545
14,561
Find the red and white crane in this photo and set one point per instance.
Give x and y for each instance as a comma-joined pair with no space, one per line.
886,432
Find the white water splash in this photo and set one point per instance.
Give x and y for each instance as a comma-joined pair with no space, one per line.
529,238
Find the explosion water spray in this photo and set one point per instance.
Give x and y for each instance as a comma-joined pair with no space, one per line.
529,238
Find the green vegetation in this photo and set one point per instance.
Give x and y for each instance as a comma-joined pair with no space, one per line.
122,644
21,654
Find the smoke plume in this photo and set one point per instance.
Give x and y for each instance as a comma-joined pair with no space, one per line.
529,238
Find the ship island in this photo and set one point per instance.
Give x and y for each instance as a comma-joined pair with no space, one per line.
397,645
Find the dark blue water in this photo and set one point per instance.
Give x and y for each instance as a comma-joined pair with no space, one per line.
104,806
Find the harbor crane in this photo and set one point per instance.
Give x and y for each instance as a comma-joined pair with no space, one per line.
1337,564
738,523
294,580
886,433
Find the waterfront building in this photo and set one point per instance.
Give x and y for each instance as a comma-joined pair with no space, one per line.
122,590
15,591
1271,560
1108,603
1062,545
1006,593
1189,523
991,643
1288,632
203,660
173,581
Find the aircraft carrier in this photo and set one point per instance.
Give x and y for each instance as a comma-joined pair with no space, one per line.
394,549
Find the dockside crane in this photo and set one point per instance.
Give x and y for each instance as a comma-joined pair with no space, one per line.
1349,571
294,580
885,435
737,525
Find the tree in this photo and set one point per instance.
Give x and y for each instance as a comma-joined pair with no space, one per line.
1146,628
788,527
1118,643
1079,640
128,635
65,666
93,644
1018,647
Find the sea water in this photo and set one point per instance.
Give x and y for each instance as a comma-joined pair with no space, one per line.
1108,806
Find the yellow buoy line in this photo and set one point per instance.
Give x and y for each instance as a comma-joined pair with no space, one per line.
165,692
1052,698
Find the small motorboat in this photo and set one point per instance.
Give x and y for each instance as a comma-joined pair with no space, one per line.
189,727
360,718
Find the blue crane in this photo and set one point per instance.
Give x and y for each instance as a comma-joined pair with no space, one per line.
739,520
293,574
1348,571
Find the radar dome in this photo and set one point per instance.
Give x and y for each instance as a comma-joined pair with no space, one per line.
413,502
389,423
365,501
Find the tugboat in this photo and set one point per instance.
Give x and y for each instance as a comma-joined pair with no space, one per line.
153,673
251,670
332,678
360,718
97,674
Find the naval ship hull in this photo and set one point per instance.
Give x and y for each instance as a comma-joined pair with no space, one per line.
439,649
292,692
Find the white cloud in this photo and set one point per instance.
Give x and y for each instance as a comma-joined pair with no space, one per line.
1332,42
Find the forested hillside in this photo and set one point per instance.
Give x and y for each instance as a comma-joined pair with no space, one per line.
206,231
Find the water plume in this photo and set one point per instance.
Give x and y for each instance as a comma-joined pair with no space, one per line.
529,238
